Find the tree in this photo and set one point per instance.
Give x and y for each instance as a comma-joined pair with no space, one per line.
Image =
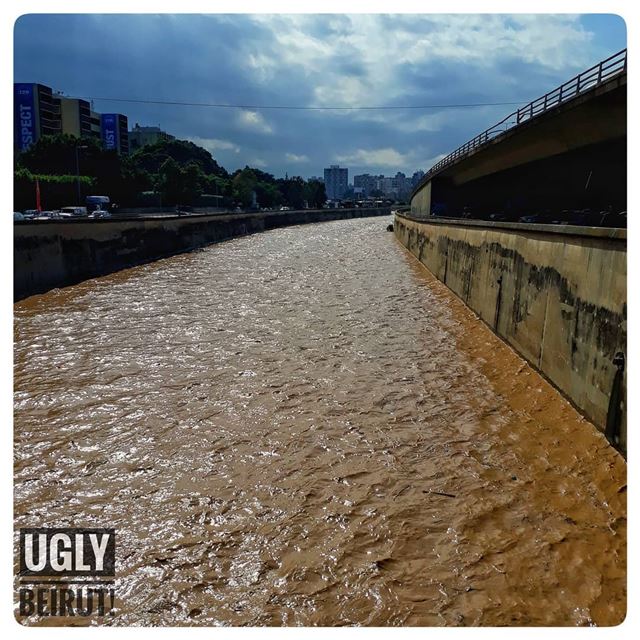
315,194
244,183
151,157
169,182
268,194
293,191
55,190
180,170
56,155
193,181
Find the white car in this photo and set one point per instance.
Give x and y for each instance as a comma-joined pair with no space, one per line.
73,212
99,214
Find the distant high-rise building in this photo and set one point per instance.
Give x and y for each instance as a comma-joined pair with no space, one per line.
336,180
416,177
76,117
364,183
401,186
95,124
39,112
36,113
385,185
114,131
142,136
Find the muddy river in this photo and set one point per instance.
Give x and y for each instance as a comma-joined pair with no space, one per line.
304,427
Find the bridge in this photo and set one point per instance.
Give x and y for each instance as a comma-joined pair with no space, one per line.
556,293
564,150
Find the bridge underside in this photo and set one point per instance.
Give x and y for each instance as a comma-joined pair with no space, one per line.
591,177
573,157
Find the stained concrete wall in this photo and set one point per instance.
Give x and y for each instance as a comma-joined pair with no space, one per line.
50,254
557,294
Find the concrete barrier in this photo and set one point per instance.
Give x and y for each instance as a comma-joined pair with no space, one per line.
557,294
52,253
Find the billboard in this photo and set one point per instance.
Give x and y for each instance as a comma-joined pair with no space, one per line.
109,130
24,115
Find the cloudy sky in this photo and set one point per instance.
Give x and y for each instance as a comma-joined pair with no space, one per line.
313,61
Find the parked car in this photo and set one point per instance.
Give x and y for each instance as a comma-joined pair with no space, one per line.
18,216
99,214
73,212
48,215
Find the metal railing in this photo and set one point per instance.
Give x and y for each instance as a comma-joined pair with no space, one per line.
596,75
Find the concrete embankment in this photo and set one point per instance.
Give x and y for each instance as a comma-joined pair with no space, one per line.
49,254
557,294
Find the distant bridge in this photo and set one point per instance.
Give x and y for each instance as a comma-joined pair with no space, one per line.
566,149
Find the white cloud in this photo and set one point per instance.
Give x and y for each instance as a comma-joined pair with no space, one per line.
213,144
380,46
257,162
292,157
254,121
375,158
264,66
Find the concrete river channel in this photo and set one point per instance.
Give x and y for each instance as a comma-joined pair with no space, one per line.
304,427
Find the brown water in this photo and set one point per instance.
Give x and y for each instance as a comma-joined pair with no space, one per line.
303,427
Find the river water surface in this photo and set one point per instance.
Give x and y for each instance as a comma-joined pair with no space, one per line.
304,427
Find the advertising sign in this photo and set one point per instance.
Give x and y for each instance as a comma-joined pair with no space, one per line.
109,130
25,115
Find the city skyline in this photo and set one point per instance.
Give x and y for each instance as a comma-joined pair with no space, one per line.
50,111
313,61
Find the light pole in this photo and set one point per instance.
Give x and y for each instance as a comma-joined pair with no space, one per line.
78,172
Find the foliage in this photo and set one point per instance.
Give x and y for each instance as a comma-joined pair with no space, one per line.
171,172
151,157
56,191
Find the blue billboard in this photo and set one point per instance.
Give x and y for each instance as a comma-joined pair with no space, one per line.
24,115
109,130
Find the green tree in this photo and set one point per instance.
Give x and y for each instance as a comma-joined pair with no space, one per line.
193,181
293,191
315,194
244,183
56,155
268,194
151,157
169,182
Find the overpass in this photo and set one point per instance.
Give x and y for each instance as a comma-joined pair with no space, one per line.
564,150
556,293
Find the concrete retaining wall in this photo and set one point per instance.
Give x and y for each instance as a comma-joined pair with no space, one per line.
557,294
50,254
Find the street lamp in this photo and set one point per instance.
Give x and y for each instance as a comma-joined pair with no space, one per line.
78,171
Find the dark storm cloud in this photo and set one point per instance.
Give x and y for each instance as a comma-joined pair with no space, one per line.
324,60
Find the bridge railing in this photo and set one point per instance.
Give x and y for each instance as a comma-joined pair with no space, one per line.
596,75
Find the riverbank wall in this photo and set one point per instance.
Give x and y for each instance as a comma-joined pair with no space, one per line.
54,253
556,294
